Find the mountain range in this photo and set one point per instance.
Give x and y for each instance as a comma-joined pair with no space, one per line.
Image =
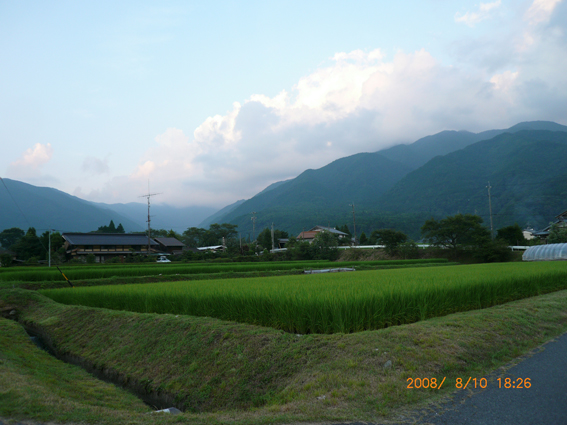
435,176
24,205
399,187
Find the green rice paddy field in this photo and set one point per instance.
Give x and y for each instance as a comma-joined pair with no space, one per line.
98,271
332,303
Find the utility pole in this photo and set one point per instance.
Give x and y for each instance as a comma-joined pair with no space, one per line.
253,218
273,237
149,195
490,209
49,247
354,222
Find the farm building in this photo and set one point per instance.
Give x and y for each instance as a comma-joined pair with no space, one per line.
170,245
310,234
107,245
549,252
560,220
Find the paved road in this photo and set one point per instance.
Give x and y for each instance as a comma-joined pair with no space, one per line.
545,402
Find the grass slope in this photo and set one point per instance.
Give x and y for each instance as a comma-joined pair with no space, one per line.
225,372
33,384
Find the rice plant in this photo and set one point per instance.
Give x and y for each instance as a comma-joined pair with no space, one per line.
348,302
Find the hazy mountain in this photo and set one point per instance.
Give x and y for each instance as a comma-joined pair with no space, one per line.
218,216
24,206
163,216
527,175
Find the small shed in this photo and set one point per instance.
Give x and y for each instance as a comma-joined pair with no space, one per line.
549,252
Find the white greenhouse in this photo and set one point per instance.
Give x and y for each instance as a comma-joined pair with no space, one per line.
549,252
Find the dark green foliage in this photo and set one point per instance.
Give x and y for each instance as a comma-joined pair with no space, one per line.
5,260
493,251
29,246
265,237
455,232
557,233
196,237
9,237
111,228
390,238
363,239
299,251
324,246
408,250
512,235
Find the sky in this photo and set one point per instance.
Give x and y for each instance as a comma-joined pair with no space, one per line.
209,102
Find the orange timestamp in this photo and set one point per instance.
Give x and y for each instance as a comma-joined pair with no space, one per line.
436,384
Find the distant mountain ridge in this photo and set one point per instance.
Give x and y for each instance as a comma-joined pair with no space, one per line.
163,216
369,180
526,171
25,205
48,208
388,188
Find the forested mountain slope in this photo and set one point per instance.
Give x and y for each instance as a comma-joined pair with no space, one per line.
527,172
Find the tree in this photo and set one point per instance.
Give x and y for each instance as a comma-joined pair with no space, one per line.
390,238
324,246
363,239
196,236
513,235
408,250
9,237
455,232
265,237
5,260
57,242
111,228
557,233
192,236
29,246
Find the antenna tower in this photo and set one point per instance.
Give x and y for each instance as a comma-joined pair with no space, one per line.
149,195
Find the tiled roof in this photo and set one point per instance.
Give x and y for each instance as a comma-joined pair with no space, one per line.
328,229
307,235
107,239
169,242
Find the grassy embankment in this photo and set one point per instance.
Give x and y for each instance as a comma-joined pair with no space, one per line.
226,372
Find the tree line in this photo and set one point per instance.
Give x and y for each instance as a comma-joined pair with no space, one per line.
458,234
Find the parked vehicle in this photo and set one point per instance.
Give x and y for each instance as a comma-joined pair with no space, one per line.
163,259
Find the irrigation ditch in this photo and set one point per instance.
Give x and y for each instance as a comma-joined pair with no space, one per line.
157,400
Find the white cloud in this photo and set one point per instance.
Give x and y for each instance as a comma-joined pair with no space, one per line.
537,16
473,18
94,165
540,11
361,101
29,164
